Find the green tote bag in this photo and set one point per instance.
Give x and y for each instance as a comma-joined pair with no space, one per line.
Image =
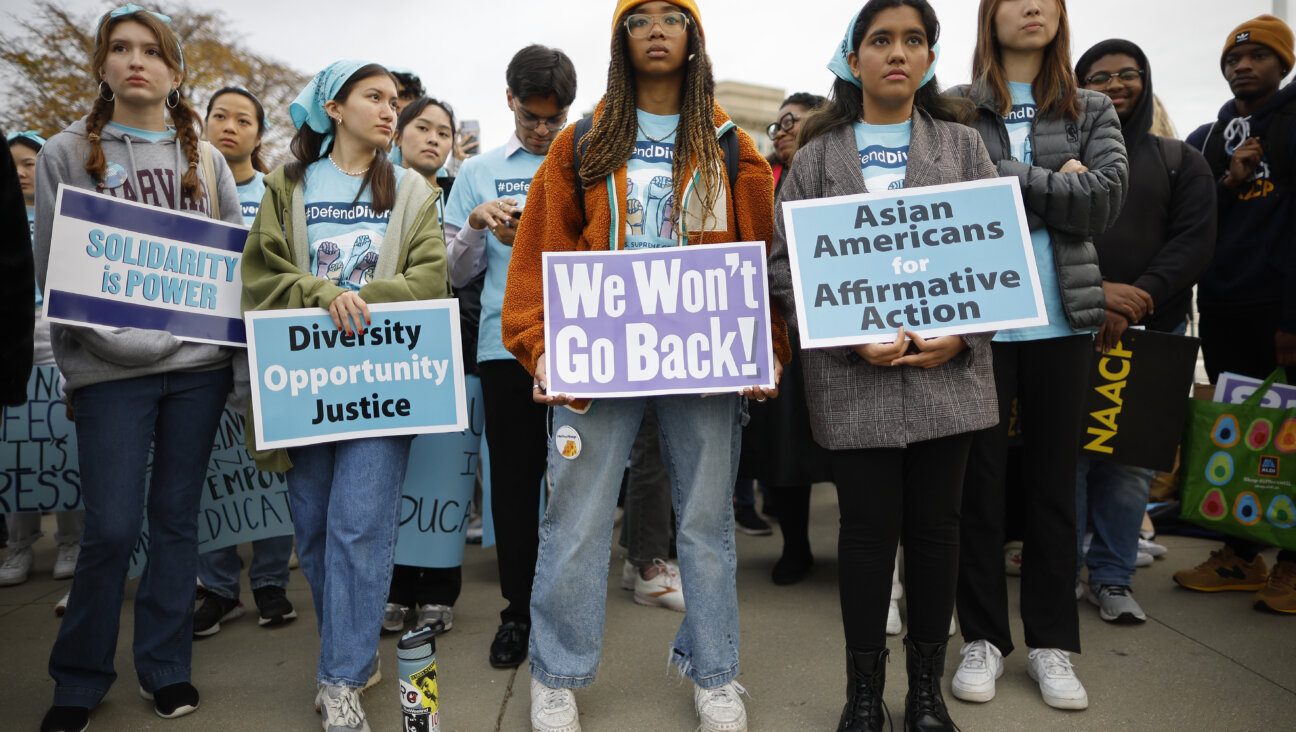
1239,468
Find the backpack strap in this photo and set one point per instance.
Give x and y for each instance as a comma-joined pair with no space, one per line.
1172,154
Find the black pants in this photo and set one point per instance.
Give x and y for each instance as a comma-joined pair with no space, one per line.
1242,343
411,586
885,495
1049,378
517,435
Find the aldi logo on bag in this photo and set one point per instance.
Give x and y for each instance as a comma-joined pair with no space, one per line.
1269,466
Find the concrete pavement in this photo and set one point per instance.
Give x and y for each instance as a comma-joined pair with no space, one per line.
1201,662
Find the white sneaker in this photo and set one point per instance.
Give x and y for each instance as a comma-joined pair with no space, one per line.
975,679
17,565
60,607
1147,546
1144,559
65,563
394,617
340,706
663,589
953,627
893,626
1013,558
1051,667
721,709
628,573
553,710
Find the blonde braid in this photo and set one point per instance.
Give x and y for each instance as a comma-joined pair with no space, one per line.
186,131
611,140
696,147
96,164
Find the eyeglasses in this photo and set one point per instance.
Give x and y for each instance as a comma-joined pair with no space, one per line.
784,124
531,122
1103,78
640,25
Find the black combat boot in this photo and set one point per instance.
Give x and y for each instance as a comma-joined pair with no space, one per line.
865,677
924,706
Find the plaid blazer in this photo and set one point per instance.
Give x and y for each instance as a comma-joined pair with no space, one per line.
852,403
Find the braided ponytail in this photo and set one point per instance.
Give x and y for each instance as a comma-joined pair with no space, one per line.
611,140
95,162
696,147
186,130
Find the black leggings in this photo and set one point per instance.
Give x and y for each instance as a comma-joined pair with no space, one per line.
517,434
1048,377
885,495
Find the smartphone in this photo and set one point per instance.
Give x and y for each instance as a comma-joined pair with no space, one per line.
470,137
517,214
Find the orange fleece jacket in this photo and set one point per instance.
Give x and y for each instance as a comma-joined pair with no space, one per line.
553,223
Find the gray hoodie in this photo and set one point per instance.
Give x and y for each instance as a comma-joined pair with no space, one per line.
143,171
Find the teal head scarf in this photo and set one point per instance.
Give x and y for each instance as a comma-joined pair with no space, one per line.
839,64
28,135
308,108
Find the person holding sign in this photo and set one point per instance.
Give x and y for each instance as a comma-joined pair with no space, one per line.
655,135
130,387
897,418
235,123
358,231
1064,146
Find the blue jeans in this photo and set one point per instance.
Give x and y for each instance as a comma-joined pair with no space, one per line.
219,570
1110,501
345,499
701,438
115,422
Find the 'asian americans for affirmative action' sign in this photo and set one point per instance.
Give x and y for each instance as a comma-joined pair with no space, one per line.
937,260
680,320
313,383
121,264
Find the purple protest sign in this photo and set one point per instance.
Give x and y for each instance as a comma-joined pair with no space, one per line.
683,320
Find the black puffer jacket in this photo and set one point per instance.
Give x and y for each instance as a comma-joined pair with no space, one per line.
1076,207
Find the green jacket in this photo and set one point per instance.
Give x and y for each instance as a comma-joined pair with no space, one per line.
276,272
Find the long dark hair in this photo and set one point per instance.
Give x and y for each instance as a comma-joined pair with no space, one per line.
416,107
305,147
1054,88
611,140
257,163
846,103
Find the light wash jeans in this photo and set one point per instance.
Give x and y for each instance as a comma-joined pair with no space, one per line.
115,422
219,570
1110,501
701,439
345,499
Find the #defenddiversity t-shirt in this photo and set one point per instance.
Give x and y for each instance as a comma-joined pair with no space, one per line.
650,194
345,240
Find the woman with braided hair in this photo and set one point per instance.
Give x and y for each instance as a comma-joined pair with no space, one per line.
655,135
131,388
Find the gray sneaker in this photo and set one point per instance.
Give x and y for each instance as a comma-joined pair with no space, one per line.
394,617
340,706
440,617
1116,604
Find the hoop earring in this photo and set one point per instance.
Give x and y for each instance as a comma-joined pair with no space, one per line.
172,104
111,96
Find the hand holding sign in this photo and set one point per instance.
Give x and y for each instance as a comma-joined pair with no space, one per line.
350,312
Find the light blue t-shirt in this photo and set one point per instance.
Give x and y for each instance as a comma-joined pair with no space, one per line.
345,240
150,135
250,194
1019,122
884,154
31,229
650,193
486,177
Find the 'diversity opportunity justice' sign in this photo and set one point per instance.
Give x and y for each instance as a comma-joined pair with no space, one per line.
121,264
937,260
681,320
312,383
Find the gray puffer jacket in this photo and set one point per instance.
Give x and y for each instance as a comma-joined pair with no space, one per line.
1076,207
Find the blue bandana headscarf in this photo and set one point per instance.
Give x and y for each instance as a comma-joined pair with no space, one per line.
839,64
308,108
131,9
28,135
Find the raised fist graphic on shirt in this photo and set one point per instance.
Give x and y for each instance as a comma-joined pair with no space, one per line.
325,256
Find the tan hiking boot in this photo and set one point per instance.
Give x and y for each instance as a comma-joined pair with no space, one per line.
1280,594
1225,570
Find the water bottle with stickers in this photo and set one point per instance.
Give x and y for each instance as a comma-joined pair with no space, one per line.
420,697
